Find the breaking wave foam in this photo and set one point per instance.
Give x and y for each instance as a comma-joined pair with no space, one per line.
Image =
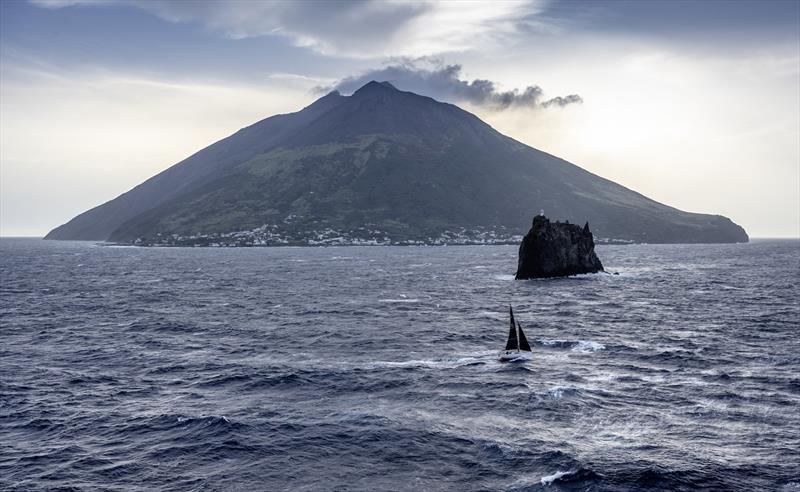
584,346
549,479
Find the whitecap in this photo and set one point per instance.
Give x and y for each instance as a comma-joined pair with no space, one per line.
434,363
398,300
587,346
583,346
549,479
550,343
503,277
408,363
557,392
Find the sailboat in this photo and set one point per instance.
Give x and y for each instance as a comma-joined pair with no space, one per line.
517,347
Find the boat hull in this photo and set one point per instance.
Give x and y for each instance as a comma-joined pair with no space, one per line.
514,355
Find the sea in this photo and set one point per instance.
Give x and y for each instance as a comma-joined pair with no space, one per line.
375,368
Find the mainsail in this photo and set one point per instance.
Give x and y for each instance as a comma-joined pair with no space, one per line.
511,344
523,342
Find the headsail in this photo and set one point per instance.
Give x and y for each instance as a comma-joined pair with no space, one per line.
523,342
511,344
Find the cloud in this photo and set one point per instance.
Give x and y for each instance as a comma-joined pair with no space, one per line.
444,82
563,101
352,28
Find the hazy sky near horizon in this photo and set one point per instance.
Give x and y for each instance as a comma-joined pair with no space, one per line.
693,104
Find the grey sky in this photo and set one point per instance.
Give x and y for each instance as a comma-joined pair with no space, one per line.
695,104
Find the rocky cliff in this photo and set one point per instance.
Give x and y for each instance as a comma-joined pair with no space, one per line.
554,249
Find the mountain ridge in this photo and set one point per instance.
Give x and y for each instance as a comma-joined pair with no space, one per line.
382,160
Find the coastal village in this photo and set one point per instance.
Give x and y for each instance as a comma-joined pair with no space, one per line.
280,235
274,235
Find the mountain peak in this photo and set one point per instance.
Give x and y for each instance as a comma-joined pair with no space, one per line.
373,86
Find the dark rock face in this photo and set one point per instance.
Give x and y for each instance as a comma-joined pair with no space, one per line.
556,250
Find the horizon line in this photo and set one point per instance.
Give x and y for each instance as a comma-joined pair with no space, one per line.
103,241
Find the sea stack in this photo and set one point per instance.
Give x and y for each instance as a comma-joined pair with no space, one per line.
553,249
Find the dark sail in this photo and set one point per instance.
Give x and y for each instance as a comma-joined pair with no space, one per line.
523,342
512,334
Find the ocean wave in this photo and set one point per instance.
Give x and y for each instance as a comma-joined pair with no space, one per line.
160,326
286,380
224,380
443,363
41,425
181,428
588,346
92,379
558,392
663,478
573,476
164,422
503,277
584,346
549,479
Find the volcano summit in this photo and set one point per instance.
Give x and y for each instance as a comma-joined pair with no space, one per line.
380,166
